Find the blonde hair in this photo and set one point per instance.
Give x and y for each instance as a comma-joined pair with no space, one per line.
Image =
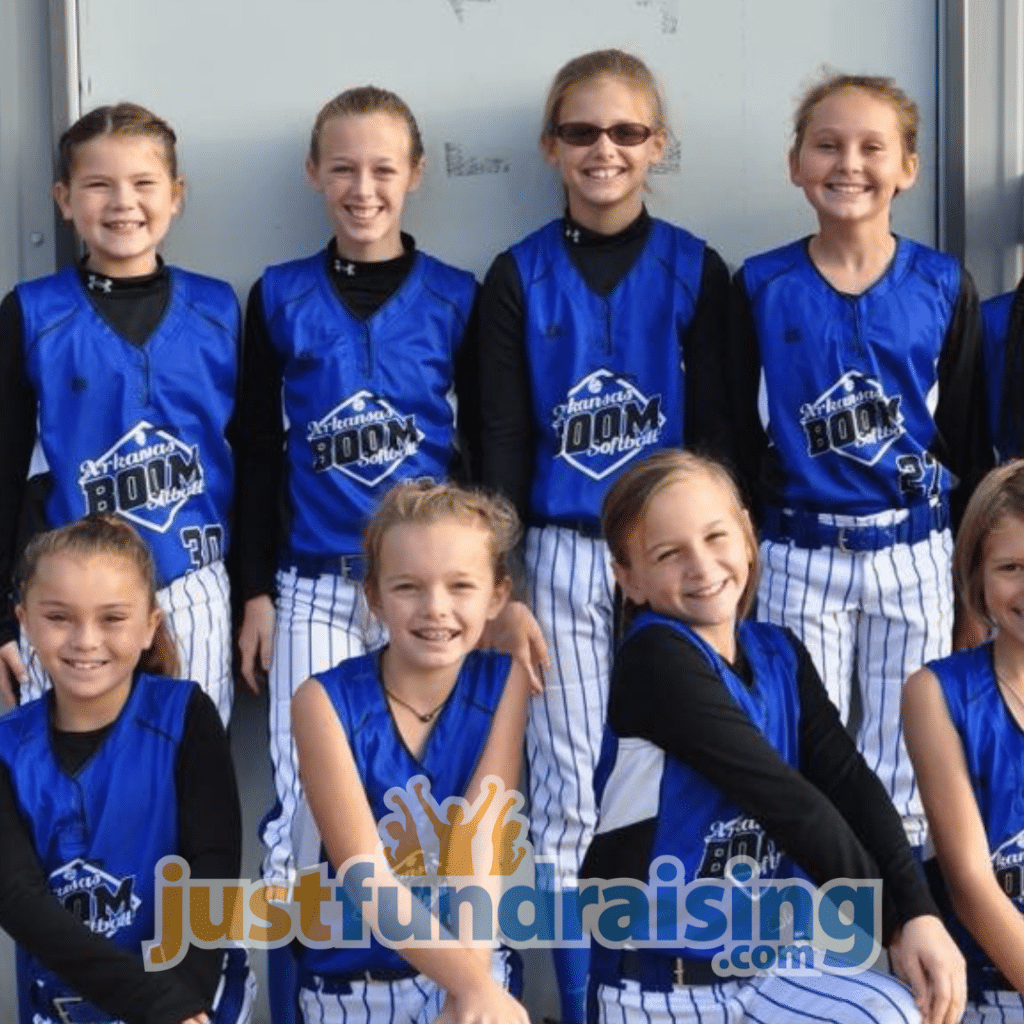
423,502
603,64
879,87
630,496
105,534
367,99
125,119
1000,494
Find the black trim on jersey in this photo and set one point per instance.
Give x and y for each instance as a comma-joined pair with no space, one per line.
262,493
833,816
210,838
1011,411
509,439
962,441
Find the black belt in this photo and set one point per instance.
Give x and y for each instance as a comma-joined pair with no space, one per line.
653,971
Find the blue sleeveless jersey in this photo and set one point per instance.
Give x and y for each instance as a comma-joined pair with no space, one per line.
994,748
694,821
850,383
995,322
100,833
137,430
606,372
449,760
368,402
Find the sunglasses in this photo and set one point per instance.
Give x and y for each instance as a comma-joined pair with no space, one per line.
580,133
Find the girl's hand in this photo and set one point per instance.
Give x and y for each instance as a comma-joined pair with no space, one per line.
486,1004
923,954
255,639
12,669
515,631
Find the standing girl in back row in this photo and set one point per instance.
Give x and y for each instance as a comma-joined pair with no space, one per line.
120,373
855,373
595,333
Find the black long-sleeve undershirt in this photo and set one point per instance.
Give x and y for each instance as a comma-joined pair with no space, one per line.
832,816
210,840
507,421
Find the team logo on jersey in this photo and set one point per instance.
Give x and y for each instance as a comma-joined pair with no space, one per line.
739,837
854,418
1008,864
104,903
364,437
145,477
604,422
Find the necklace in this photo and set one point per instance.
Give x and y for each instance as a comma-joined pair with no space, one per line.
1009,689
423,716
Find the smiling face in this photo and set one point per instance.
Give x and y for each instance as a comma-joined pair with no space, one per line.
89,618
121,198
435,591
851,161
1002,573
365,170
605,182
690,558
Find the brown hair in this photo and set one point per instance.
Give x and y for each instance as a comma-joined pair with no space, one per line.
105,534
118,119
630,496
877,86
367,99
600,64
423,502
1000,494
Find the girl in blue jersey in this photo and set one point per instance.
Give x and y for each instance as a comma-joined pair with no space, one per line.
740,751
117,387
1002,319
596,333
361,349
116,767
426,712
964,720
859,415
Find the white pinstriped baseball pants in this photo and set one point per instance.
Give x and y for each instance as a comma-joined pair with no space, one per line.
873,616
320,621
868,998
571,592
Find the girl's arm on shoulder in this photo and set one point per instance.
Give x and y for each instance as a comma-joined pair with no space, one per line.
18,429
337,799
958,832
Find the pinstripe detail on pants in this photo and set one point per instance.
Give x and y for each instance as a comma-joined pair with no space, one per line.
874,617
320,621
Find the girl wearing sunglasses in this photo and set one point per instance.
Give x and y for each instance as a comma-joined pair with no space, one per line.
596,333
